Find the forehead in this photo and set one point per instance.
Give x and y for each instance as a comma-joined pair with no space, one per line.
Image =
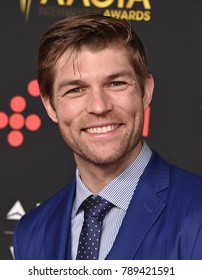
86,61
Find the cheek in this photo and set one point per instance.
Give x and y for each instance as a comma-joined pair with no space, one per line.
68,113
131,106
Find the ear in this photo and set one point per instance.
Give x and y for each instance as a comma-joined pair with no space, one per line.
49,108
148,92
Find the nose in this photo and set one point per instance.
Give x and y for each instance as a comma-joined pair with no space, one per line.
99,102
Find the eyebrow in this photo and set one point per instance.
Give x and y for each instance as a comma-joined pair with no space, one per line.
80,82
123,73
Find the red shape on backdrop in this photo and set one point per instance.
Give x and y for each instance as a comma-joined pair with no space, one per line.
18,104
16,121
33,122
3,120
145,132
15,138
33,88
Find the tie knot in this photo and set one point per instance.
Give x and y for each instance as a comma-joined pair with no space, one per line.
96,206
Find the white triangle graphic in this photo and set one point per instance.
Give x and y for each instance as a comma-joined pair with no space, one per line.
16,212
12,251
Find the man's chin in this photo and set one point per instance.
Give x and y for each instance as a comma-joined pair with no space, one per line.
103,158
106,154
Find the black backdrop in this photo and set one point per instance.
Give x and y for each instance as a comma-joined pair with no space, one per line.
34,161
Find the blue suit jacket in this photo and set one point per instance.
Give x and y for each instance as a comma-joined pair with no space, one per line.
163,220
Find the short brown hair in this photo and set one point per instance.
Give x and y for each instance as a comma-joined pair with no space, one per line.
94,31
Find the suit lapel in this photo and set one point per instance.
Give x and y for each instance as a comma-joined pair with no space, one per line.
146,205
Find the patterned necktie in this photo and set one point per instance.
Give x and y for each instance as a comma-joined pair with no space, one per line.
95,210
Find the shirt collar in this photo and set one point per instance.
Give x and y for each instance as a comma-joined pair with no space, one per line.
121,189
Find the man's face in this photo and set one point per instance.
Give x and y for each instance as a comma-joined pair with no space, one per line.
98,104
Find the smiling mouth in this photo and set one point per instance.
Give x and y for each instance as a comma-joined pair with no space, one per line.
102,129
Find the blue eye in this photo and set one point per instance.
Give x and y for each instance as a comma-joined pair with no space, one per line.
74,90
117,83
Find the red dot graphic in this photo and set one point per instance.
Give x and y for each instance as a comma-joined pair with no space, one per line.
15,138
33,122
33,88
16,121
3,120
18,104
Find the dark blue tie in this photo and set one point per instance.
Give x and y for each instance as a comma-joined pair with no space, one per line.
95,209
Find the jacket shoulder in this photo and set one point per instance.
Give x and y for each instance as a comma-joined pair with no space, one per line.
184,177
161,175
46,207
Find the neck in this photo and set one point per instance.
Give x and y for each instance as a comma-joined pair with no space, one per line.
96,177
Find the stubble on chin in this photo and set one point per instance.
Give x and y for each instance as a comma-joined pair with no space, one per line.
104,154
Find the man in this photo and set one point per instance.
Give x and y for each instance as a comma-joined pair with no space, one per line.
95,83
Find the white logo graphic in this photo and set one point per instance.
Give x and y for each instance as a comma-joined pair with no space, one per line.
16,212
12,251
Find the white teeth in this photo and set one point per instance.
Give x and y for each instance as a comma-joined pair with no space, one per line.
103,129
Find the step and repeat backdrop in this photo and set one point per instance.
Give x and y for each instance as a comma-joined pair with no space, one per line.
34,161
